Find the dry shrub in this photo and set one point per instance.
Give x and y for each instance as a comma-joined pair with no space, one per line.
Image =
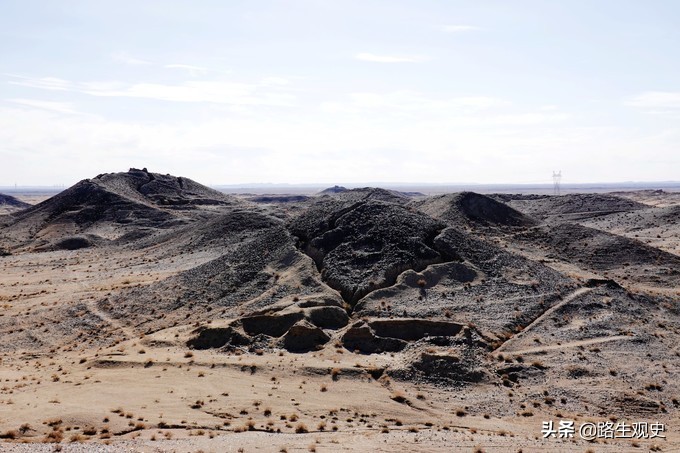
11,434
399,397
55,436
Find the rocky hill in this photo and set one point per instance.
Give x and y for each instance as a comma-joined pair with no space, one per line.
110,205
8,200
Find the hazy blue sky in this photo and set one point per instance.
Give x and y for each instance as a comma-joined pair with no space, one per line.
340,91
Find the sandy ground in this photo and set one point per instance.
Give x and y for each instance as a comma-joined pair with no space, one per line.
149,393
129,391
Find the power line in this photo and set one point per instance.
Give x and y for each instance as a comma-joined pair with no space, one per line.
557,180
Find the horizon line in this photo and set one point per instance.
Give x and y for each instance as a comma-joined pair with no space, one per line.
378,184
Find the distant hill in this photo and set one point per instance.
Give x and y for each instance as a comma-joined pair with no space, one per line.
466,207
371,191
572,207
8,200
115,202
334,189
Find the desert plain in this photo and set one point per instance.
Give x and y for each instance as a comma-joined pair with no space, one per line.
147,312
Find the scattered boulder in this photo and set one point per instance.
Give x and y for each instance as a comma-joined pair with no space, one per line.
329,317
273,325
360,337
304,337
217,337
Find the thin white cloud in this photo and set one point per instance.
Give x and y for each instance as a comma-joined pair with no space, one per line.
191,69
656,100
273,81
219,92
459,28
126,58
45,83
60,107
264,92
365,56
411,103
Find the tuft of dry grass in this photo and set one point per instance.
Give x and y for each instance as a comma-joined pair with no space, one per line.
11,434
55,436
76,438
399,397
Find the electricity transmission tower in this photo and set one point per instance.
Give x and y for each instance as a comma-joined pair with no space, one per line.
557,179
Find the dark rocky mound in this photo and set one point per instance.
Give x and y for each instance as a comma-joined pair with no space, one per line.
411,194
77,242
160,190
370,193
279,198
466,207
385,194
334,189
640,219
260,280
215,233
597,249
363,246
8,200
136,198
570,207
493,288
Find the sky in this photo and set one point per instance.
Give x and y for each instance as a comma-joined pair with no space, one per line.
316,91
